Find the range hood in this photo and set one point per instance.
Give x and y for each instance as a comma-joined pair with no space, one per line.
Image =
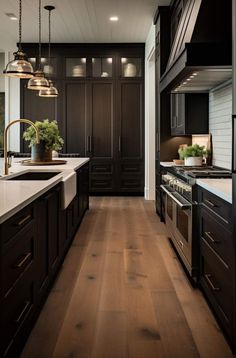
201,54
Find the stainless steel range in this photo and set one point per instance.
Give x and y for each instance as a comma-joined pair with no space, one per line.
180,204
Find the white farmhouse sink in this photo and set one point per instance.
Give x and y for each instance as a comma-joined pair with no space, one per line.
69,189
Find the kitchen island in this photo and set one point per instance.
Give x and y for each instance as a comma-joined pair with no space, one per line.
38,220
14,195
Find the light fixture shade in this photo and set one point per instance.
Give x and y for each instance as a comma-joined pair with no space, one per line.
38,82
19,67
49,92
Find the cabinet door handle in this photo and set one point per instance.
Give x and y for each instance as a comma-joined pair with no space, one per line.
22,221
87,143
119,143
210,203
174,121
208,278
90,144
23,260
208,234
23,312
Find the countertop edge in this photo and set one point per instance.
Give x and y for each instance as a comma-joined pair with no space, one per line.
22,205
221,193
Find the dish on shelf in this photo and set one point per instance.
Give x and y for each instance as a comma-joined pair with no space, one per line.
78,71
130,70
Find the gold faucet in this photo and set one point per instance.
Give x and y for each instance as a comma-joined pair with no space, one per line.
27,121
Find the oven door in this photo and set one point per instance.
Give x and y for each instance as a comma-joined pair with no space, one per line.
179,223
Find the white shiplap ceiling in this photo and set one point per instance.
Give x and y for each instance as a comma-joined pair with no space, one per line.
80,20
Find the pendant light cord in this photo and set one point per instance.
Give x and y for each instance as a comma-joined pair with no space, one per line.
20,28
39,35
49,37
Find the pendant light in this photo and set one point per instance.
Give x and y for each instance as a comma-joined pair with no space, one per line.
19,67
39,81
51,91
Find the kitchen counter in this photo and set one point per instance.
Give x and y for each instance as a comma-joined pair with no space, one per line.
167,164
15,195
219,187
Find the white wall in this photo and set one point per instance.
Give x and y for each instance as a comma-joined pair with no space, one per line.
149,189
220,125
12,104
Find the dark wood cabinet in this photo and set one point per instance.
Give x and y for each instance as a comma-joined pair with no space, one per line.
100,110
33,244
76,118
217,260
48,249
18,250
189,114
100,138
129,140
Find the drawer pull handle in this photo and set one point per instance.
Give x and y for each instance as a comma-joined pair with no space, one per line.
210,203
208,234
21,222
23,312
23,260
208,278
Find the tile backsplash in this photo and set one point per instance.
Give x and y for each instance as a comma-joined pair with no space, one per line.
220,125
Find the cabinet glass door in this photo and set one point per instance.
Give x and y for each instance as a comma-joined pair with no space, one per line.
131,67
49,68
76,67
102,67
33,61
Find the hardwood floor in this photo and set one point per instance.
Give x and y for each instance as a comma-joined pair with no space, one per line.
123,293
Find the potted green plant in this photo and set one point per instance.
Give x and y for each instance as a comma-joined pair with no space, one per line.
50,140
192,154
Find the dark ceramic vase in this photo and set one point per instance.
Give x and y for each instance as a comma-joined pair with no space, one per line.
40,154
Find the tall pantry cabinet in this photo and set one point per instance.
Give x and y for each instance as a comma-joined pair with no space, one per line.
100,109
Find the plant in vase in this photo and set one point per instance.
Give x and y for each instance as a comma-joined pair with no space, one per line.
50,140
193,154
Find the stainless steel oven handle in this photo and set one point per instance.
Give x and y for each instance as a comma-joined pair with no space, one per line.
181,205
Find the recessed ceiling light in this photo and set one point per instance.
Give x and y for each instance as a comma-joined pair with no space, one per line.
11,16
114,18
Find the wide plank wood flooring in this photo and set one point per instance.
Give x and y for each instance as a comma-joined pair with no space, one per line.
122,293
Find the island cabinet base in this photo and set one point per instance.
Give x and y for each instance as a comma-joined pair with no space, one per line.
33,244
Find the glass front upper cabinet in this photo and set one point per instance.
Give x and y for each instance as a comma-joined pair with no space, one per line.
76,67
131,67
49,68
102,66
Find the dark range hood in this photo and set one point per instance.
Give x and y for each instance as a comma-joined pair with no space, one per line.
201,54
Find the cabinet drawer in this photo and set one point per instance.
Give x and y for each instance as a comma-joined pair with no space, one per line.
101,168
101,183
18,257
217,205
217,236
216,281
131,168
131,183
17,222
16,309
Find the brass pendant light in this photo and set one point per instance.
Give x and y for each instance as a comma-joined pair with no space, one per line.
39,81
19,67
51,91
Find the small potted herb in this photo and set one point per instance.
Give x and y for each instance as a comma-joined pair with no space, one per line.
192,155
50,140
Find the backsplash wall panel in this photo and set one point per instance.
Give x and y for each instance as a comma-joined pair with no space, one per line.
220,125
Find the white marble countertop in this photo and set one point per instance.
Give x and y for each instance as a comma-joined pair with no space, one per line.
15,195
219,187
